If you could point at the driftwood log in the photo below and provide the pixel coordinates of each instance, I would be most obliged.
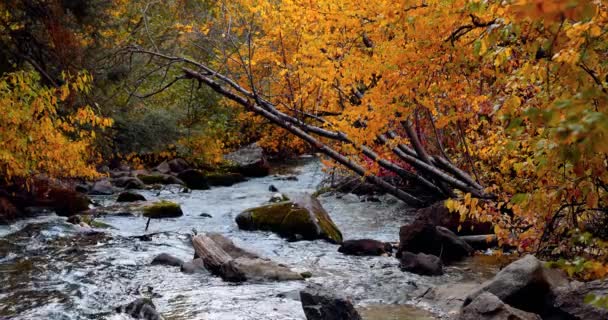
(481, 242)
(240, 267)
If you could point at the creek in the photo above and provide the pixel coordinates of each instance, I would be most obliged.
(50, 269)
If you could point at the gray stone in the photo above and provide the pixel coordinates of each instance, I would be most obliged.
(422, 264)
(487, 306)
(102, 187)
(321, 304)
(166, 259)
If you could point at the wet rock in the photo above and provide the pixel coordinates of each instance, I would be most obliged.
(575, 300)
(422, 264)
(166, 259)
(278, 197)
(487, 306)
(365, 247)
(302, 217)
(205, 215)
(8, 211)
(524, 284)
(250, 161)
(128, 183)
(421, 237)
(306, 274)
(163, 209)
(119, 174)
(272, 188)
(67, 202)
(438, 215)
(83, 187)
(178, 165)
(163, 168)
(102, 187)
(194, 179)
(142, 308)
(224, 179)
(185, 190)
(159, 178)
(128, 196)
(321, 304)
(194, 266)
(87, 221)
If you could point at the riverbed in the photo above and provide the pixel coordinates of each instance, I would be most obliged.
(50, 269)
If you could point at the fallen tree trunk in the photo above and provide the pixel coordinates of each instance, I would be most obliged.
(215, 259)
(433, 174)
(241, 265)
(481, 242)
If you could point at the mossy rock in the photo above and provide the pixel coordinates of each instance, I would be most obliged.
(128, 196)
(302, 217)
(163, 209)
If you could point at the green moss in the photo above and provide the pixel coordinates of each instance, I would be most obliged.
(163, 209)
(288, 219)
(152, 178)
(306, 274)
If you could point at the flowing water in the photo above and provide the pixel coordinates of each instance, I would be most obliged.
(50, 269)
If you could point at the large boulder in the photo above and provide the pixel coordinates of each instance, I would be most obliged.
(194, 179)
(178, 165)
(66, 201)
(321, 304)
(487, 306)
(438, 215)
(422, 237)
(163, 168)
(102, 187)
(142, 308)
(422, 264)
(576, 299)
(128, 182)
(302, 217)
(128, 196)
(162, 209)
(250, 161)
(524, 284)
(365, 247)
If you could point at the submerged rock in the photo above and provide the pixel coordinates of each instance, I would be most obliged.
(250, 161)
(142, 308)
(128, 196)
(166, 259)
(163, 209)
(302, 217)
(422, 264)
(194, 266)
(321, 304)
(365, 247)
(194, 179)
(487, 306)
